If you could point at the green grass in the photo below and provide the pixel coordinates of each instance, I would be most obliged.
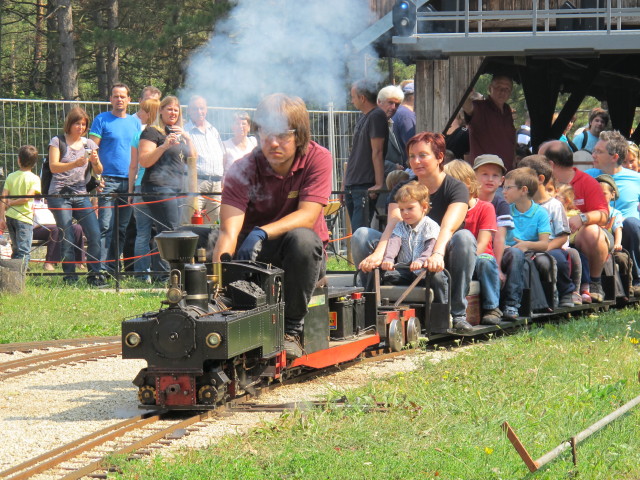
(48, 309)
(339, 264)
(444, 420)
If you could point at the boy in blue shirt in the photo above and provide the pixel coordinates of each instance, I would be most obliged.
(19, 211)
(530, 233)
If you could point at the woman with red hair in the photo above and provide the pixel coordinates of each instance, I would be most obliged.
(449, 205)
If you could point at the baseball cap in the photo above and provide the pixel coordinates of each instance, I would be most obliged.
(487, 159)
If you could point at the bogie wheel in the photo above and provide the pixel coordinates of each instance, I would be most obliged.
(395, 336)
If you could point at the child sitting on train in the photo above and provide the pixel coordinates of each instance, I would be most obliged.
(412, 240)
(481, 221)
(579, 265)
(568, 294)
(614, 230)
(530, 233)
(490, 172)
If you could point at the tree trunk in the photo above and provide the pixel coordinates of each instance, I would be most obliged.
(12, 65)
(52, 70)
(68, 61)
(112, 64)
(175, 77)
(38, 48)
(101, 63)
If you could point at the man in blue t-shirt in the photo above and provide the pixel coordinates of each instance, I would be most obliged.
(113, 132)
(608, 155)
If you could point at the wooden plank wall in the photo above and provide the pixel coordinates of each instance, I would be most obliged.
(440, 85)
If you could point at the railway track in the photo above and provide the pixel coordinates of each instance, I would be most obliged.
(139, 435)
(34, 363)
(28, 347)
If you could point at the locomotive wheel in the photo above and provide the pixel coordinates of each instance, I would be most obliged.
(147, 395)
(413, 331)
(207, 395)
(395, 336)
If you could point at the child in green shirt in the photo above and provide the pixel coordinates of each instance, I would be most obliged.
(16, 214)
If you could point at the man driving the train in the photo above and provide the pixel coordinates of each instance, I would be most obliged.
(272, 206)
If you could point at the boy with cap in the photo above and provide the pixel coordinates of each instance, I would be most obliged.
(490, 172)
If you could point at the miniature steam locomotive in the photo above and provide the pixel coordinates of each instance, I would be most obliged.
(221, 331)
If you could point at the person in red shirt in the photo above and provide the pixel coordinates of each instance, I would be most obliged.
(273, 202)
(490, 122)
(590, 239)
(481, 221)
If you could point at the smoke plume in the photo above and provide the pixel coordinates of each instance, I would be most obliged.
(297, 47)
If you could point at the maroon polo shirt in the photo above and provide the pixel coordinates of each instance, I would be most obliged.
(588, 193)
(252, 186)
(491, 130)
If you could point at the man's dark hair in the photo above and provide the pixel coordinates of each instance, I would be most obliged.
(560, 154)
(540, 164)
(599, 112)
(367, 88)
(121, 85)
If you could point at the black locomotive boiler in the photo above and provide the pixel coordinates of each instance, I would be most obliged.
(221, 329)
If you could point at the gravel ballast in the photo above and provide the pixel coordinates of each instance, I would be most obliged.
(46, 409)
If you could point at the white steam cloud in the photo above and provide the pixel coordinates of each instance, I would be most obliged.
(297, 47)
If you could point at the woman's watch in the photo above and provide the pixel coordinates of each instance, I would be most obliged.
(584, 218)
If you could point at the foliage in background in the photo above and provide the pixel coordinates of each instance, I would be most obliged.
(154, 40)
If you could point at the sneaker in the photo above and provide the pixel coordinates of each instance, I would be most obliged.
(566, 300)
(292, 346)
(586, 296)
(97, 281)
(577, 298)
(492, 317)
(596, 292)
(460, 323)
(510, 313)
(635, 290)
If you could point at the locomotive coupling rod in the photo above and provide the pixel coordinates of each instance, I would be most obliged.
(420, 276)
(534, 465)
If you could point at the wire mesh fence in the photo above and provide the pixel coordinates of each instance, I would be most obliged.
(35, 122)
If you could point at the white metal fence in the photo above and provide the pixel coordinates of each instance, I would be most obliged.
(35, 122)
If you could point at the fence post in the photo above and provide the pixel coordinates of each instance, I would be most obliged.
(116, 232)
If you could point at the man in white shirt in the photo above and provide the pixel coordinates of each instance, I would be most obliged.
(210, 162)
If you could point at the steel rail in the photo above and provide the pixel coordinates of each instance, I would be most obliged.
(24, 366)
(27, 347)
(53, 458)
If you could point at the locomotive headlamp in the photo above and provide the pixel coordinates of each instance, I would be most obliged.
(132, 339)
(214, 340)
(174, 295)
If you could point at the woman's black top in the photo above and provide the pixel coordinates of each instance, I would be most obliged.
(170, 168)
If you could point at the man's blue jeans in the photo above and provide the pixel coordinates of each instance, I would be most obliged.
(21, 234)
(359, 206)
(144, 223)
(106, 218)
(85, 217)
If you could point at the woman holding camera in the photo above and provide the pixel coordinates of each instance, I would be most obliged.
(163, 150)
(69, 156)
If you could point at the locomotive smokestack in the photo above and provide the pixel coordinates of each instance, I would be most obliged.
(177, 248)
